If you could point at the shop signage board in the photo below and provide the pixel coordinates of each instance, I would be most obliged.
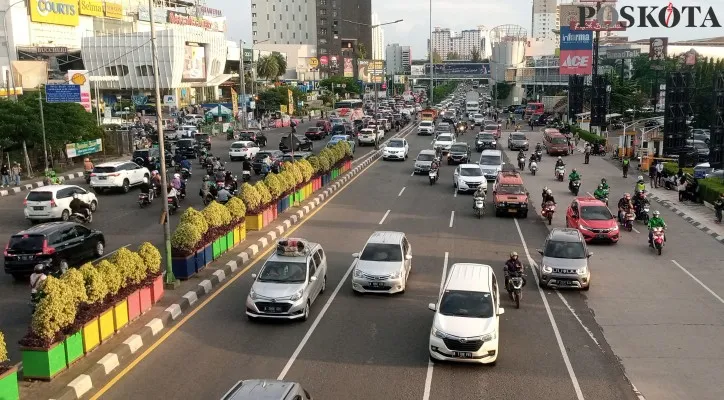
(56, 12)
(83, 148)
(51, 50)
(93, 8)
(114, 10)
(62, 93)
(622, 54)
(80, 77)
(159, 14)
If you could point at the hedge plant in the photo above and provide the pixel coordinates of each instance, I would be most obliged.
(325, 164)
(274, 185)
(131, 265)
(293, 168)
(306, 169)
(263, 191)
(710, 189)
(151, 257)
(196, 218)
(288, 181)
(236, 208)
(95, 286)
(54, 312)
(111, 276)
(186, 236)
(3, 351)
(75, 284)
(250, 196)
(315, 163)
(216, 215)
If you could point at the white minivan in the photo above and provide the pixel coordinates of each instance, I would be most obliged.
(466, 325)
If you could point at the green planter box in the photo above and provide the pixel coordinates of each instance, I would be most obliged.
(43, 364)
(74, 348)
(230, 240)
(9, 389)
(215, 249)
(223, 245)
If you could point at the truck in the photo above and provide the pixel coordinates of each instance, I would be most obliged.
(429, 114)
(472, 103)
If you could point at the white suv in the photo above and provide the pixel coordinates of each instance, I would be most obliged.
(117, 175)
(53, 202)
(384, 264)
(244, 149)
(425, 128)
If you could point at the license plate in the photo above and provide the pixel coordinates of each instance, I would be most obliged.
(25, 257)
(462, 354)
(38, 208)
(601, 236)
(564, 283)
(102, 178)
(272, 309)
(512, 210)
(377, 284)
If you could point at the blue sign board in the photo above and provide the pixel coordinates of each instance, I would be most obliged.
(463, 68)
(576, 40)
(62, 93)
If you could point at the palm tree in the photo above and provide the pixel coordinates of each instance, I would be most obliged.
(268, 67)
(281, 64)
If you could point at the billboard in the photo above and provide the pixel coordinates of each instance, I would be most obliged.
(92, 8)
(80, 77)
(370, 71)
(622, 54)
(62, 93)
(466, 68)
(576, 55)
(348, 69)
(417, 70)
(58, 12)
(658, 47)
(194, 64)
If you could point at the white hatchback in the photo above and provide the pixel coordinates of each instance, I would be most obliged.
(53, 202)
(244, 149)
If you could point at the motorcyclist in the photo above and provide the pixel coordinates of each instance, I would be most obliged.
(559, 163)
(547, 196)
(155, 178)
(79, 206)
(640, 185)
(146, 188)
(172, 194)
(176, 181)
(88, 165)
(36, 279)
(177, 158)
(266, 165)
(208, 187)
(435, 164)
(655, 222)
(574, 176)
(186, 164)
(539, 147)
(532, 159)
(625, 205)
(217, 163)
(246, 165)
(604, 184)
(600, 193)
(521, 154)
(223, 195)
(513, 267)
(480, 192)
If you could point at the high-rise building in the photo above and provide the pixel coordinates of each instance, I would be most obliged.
(445, 42)
(398, 59)
(378, 39)
(544, 20)
(283, 22)
(441, 42)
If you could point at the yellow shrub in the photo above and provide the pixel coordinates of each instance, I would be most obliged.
(216, 215)
(3, 349)
(76, 286)
(274, 185)
(263, 191)
(54, 311)
(111, 276)
(151, 257)
(296, 173)
(250, 197)
(315, 163)
(95, 286)
(237, 208)
(306, 169)
(186, 236)
(130, 265)
(287, 177)
(196, 218)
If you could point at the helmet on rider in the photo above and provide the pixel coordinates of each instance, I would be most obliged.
(154, 173)
(559, 158)
(603, 181)
(549, 192)
(39, 268)
(656, 214)
(627, 196)
(206, 178)
(600, 187)
(574, 170)
(177, 176)
(639, 178)
(514, 254)
(75, 195)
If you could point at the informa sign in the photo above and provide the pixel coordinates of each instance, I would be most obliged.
(622, 54)
(194, 64)
(56, 12)
(348, 69)
(94, 8)
(234, 103)
(658, 48)
(576, 52)
(114, 10)
(62, 93)
(83, 148)
(80, 77)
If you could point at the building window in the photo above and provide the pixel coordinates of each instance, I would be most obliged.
(323, 31)
(280, 17)
(144, 70)
(294, 17)
(334, 4)
(322, 51)
(323, 21)
(294, 35)
(281, 35)
(275, 25)
(253, 15)
(254, 33)
(117, 70)
(334, 13)
(287, 26)
(307, 35)
(268, 35)
(322, 12)
(305, 17)
(267, 17)
(322, 41)
(286, 7)
(274, 8)
(323, 3)
(253, 23)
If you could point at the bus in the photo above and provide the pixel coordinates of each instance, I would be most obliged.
(355, 104)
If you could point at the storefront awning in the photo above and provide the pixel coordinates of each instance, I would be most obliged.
(213, 82)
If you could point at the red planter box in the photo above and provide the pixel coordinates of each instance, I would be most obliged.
(134, 305)
(145, 297)
(157, 289)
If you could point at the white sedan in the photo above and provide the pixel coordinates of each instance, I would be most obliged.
(244, 149)
(396, 149)
(444, 141)
(468, 177)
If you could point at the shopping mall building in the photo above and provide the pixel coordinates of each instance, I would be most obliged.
(111, 40)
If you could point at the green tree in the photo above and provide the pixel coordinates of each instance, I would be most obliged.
(436, 59)
(475, 55)
(350, 85)
(281, 64)
(268, 67)
(502, 90)
(453, 56)
(362, 51)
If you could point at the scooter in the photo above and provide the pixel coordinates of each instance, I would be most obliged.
(246, 176)
(548, 211)
(628, 221)
(658, 239)
(533, 167)
(575, 186)
(185, 173)
(539, 155)
(560, 173)
(145, 199)
(515, 288)
(172, 207)
(433, 175)
(521, 163)
(479, 205)
(81, 217)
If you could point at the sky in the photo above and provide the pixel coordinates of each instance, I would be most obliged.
(466, 14)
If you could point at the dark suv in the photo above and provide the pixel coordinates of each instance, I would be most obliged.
(186, 147)
(459, 154)
(300, 143)
(143, 158)
(276, 159)
(63, 244)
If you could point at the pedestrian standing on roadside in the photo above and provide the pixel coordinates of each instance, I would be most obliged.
(659, 173)
(652, 175)
(681, 187)
(5, 172)
(15, 172)
(626, 162)
(506, 124)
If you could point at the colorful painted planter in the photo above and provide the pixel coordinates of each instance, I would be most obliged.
(73, 349)
(146, 298)
(326, 178)
(225, 243)
(106, 324)
(91, 335)
(268, 215)
(157, 289)
(316, 183)
(184, 267)
(208, 257)
(199, 258)
(43, 364)
(134, 305)
(240, 233)
(254, 222)
(230, 240)
(120, 314)
(9, 389)
(216, 249)
(283, 204)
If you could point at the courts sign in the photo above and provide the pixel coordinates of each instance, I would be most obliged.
(56, 12)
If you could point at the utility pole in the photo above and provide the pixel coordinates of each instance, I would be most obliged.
(242, 82)
(42, 123)
(432, 66)
(170, 279)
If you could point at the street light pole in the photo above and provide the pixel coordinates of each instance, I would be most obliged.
(432, 66)
(170, 279)
(242, 82)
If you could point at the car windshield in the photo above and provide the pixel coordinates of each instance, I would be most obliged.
(40, 196)
(238, 145)
(283, 272)
(700, 146)
(141, 153)
(425, 157)
(463, 303)
(486, 136)
(395, 143)
(425, 123)
(490, 160)
(261, 156)
(313, 129)
(383, 252)
(104, 170)
(559, 140)
(568, 250)
(185, 143)
(510, 189)
(26, 243)
(477, 116)
(596, 213)
(444, 138)
(471, 171)
(517, 137)
(460, 148)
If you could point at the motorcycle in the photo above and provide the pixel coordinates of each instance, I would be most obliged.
(81, 217)
(246, 176)
(185, 173)
(548, 211)
(658, 239)
(539, 155)
(575, 186)
(533, 167)
(145, 199)
(172, 206)
(521, 163)
(433, 175)
(598, 150)
(642, 213)
(207, 197)
(479, 204)
(87, 176)
(628, 221)
(560, 173)
(515, 288)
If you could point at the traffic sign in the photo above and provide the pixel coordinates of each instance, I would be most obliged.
(62, 93)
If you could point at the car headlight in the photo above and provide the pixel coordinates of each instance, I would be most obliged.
(488, 336)
(615, 228)
(396, 274)
(357, 273)
(296, 296)
(493, 142)
(581, 271)
(547, 269)
(439, 334)
(253, 294)
(584, 227)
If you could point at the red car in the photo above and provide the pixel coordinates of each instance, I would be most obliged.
(593, 219)
(325, 126)
(315, 133)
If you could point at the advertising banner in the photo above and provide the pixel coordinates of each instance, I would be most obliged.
(248, 55)
(622, 54)
(62, 93)
(333, 62)
(477, 69)
(290, 96)
(114, 10)
(576, 56)
(658, 48)
(94, 8)
(159, 14)
(363, 72)
(209, 24)
(80, 78)
(312, 63)
(324, 60)
(57, 12)
(194, 64)
(234, 103)
(83, 148)
(348, 69)
(417, 70)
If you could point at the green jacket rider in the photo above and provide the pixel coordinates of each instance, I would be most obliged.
(604, 184)
(600, 193)
(656, 221)
(574, 176)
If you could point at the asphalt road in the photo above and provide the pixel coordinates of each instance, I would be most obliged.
(361, 347)
(122, 222)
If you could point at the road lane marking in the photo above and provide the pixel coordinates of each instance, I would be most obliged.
(218, 291)
(716, 296)
(556, 332)
(452, 218)
(382, 221)
(635, 230)
(303, 343)
(109, 254)
(413, 173)
(585, 328)
(400, 194)
(455, 192)
(430, 364)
